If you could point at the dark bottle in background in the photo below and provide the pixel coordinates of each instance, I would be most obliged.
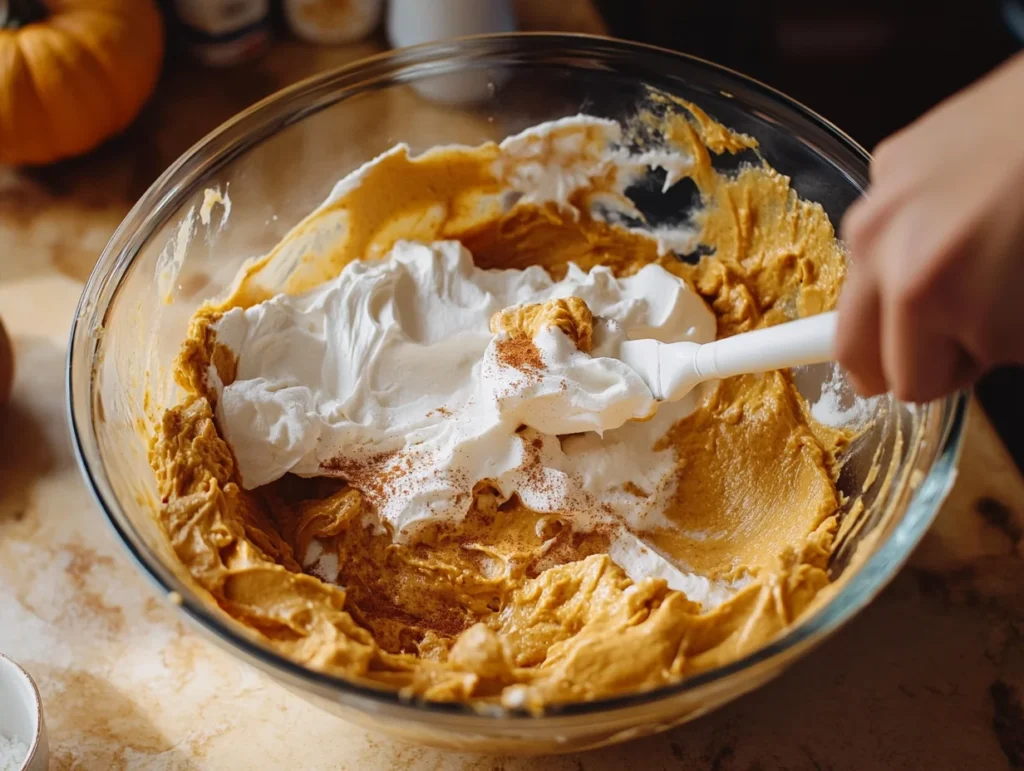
(221, 33)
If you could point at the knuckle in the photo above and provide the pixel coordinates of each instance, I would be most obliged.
(913, 292)
(881, 160)
(916, 272)
(908, 291)
(857, 358)
(908, 385)
(850, 363)
(848, 348)
(908, 391)
(854, 225)
(885, 157)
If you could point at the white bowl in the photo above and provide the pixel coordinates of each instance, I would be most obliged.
(21, 714)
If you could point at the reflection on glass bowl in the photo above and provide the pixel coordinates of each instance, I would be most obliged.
(271, 159)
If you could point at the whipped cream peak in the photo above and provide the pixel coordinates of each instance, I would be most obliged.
(567, 391)
(389, 376)
(553, 161)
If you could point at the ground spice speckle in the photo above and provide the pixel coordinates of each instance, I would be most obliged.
(520, 352)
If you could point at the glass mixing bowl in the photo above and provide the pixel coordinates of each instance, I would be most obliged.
(280, 158)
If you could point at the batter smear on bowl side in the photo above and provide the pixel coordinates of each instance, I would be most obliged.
(406, 452)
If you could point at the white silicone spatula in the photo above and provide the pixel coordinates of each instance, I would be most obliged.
(671, 370)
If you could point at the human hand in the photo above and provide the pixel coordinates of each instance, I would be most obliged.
(935, 292)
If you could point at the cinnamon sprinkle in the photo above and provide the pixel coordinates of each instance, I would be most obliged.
(519, 352)
(374, 475)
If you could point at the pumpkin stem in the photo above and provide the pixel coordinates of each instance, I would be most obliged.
(20, 13)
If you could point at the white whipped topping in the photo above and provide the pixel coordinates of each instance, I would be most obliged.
(575, 391)
(547, 163)
(389, 376)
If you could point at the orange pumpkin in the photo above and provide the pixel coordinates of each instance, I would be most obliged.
(73, 73)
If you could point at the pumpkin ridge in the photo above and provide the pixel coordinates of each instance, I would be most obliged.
(111, 109)
(89, 93)
(27, 116)
(30, 53)
(71, 25)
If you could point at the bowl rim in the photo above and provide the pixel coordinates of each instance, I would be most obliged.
(35, 707)
(123, 246)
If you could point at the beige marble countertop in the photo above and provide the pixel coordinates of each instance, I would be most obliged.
(930, 676)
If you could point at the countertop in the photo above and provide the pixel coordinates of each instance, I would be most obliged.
(931, 675)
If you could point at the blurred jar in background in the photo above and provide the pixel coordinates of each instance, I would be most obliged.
(224, 32)
(411, 22)
(333, 21)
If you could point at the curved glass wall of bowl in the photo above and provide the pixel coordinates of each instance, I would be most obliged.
(270, 162)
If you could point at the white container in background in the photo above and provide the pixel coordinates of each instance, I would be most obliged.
(332, 22)
(411, 22)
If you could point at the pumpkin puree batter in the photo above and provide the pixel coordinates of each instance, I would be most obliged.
(516, 606)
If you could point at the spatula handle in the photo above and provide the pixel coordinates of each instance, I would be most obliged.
(806, 341)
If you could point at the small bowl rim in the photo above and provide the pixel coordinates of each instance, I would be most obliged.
(37, 731)
(116, 258)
